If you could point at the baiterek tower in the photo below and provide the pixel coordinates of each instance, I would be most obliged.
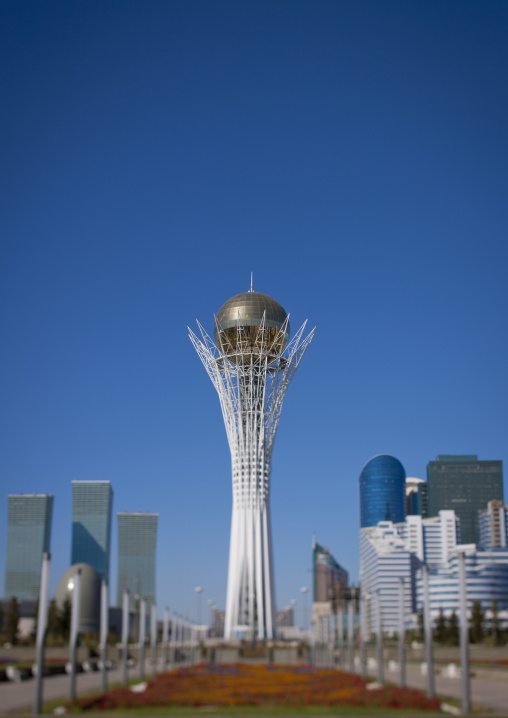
(251, 362)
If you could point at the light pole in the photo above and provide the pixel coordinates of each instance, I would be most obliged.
(304, 591)
(199, 591)
(42, 623)
(464, 635)
(427, 624)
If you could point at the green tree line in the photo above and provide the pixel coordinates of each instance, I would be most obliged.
(446, 629)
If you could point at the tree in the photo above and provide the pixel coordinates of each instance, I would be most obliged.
(64, 619)
(440, 631)
(12, 620)
(453, 629)
(53, 620)
(494, 626)
(35, 616)
(476, 631)
(421, 630)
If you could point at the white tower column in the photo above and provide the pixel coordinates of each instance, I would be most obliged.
(251, 365)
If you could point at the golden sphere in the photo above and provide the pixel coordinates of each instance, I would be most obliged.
(238, 321)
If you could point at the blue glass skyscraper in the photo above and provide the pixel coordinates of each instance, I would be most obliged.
(137, 543)
(382, 491)
(28, 537)
(92, 504)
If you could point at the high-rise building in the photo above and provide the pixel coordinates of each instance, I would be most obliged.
(413, 496)
(137, 544)
(92, 504)
(423, 500)
(493, 525)
(382, 491)
(330, 579)
(390, 552)
(28, 537)
(285, 617)
(385, 559)
(486, 580)
(251, 364)
(465, 485)
(217, 627)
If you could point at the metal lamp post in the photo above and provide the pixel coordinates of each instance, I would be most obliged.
(379, 640)
(402, 635)
(42, 623)
(464, 636)
(125, 635)
(199, 591)
(427, 622)
(104, 633)
(76, 595)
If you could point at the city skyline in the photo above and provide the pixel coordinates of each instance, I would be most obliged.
(353, 157)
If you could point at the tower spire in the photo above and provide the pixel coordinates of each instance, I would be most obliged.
(246, 367)
(251, 289)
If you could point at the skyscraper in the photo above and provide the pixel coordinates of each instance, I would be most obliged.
(493, 525)
(251, 364)
(465, 485)
(137, 543)
(28, 537)
(413, 496)
(330, 579)
(92, 504)
(382, 491)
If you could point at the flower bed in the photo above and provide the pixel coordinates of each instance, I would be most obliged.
(259, 685)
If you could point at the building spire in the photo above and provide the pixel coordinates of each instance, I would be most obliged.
(251, 289)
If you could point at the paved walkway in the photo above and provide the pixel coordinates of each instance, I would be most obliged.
(20, 696)
(489, 694)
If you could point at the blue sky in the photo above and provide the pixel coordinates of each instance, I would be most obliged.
(352, 155)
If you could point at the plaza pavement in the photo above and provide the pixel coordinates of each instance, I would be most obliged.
(491, 695)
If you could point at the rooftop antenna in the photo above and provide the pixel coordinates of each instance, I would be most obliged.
(251, 290)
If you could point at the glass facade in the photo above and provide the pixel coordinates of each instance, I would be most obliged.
(330, 579)
(28, 537)
(465, 485)
(137, 543)
(92, 504)
(382, 491)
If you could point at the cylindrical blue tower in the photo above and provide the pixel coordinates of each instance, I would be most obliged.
(382, 491)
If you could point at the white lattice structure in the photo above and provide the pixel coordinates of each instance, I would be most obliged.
(251, 364)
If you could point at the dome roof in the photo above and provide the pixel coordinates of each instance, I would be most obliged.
(250, 306)
(90, 595)
(246, 311)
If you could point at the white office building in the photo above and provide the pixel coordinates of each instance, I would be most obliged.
(385, 558)
(493, 525)
(390, 552)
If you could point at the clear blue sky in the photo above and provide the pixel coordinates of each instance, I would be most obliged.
(353, 155)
